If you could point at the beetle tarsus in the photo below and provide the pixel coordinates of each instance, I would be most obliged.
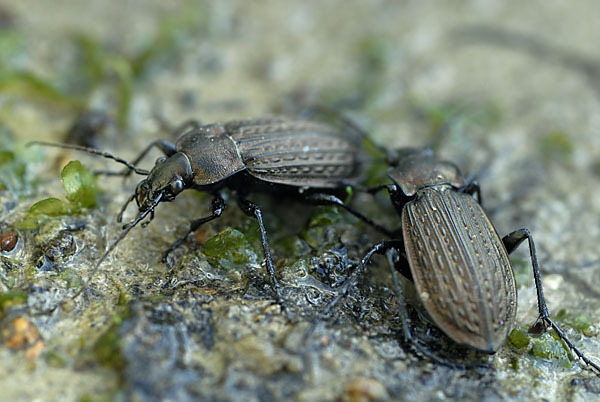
(511, 242)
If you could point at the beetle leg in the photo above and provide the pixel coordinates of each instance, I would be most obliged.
(185, 127)
(472, 188)
(166, 147)
(378, 248)
(328, 199)
(253, 210)
(178, 131)
(375, 189)
(511, 242)
(218, 206)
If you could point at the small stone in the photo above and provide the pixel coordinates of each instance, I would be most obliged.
(22, 334)
(365, 389)
(8, 241)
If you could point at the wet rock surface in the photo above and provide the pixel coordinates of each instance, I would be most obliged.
(515, 84)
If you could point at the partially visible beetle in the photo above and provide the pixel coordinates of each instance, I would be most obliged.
(311, 160)
(456, 259)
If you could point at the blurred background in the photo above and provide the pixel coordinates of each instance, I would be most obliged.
(516, 84)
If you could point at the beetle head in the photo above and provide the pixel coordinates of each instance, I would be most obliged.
(168, 178)
(416, 168)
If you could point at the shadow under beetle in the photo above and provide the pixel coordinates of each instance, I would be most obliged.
(313, 161)
(453, 254)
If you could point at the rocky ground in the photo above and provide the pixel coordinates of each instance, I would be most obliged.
(517, 85)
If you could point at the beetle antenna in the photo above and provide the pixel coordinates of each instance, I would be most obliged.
(92, 151)
(123, 234)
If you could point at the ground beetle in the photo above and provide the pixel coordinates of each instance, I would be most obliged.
(313, 161)
(453, 254)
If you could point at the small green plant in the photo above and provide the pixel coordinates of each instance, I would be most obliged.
(80, 185)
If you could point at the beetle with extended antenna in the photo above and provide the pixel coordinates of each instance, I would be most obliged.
(454, 256)
(313, 161)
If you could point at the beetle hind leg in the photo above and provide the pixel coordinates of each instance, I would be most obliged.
(218, 206)
(511, 242)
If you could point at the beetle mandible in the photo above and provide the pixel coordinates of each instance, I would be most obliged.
(313, 161)
(456, 259)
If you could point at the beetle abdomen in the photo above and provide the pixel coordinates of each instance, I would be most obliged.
(296, 152)
(460, 267)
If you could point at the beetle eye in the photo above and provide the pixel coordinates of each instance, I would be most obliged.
(177, 187)
(160, 160)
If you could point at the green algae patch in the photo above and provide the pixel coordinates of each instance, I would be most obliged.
(229, 249)
(318, 232)
(324, 216)
(80, 185)
(548, 347)
(518, 337)
(578, 322)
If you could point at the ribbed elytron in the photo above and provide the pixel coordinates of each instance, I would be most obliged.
(311, 160)
(457, 260)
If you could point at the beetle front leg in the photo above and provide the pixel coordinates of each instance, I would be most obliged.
(253, 210)
(218, 206)
(511, 242)
(328, 199)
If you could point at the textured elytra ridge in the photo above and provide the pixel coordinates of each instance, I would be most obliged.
(296, 152)
(457, 258)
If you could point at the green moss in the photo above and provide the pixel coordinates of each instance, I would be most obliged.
(80, 185)
(72, 278)
(6, 157)
(54, 360)
(251, 231)
(515, 363)
(557, 146)
(107, 348)
(518, 337)
(12, 298)
(229, 249)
